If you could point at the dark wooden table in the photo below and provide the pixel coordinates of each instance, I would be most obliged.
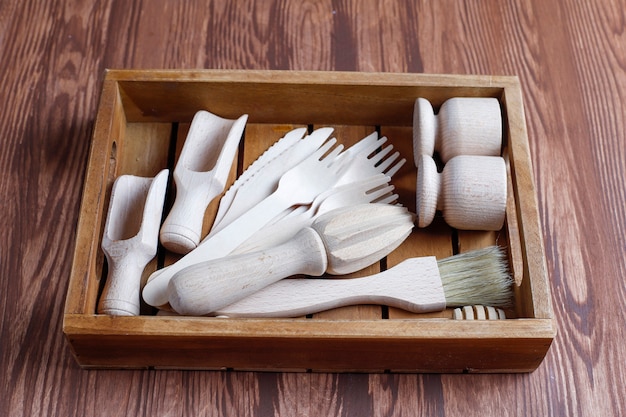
(571, 60)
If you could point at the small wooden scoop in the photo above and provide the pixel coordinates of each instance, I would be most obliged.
(200, 175)
(341, 241)
(130, 239)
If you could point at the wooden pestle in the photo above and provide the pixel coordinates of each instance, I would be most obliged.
(471, 192)
(463, 126)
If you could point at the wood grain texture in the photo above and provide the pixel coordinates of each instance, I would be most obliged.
(571, 61)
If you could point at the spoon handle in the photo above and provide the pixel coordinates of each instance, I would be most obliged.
(208, 286)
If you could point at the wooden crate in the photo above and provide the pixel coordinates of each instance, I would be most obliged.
(140, 127)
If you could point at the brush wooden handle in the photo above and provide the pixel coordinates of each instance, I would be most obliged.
(209, 286)
(463, 126)
(413, 285)
(471, 192)
(120, 296)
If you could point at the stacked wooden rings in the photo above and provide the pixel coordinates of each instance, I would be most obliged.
(471, 190)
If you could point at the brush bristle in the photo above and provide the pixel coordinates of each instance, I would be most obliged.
(477, 277)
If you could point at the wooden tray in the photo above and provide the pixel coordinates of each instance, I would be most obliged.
(141, 124)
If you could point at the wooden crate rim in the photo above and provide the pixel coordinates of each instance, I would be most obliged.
(313, 77)
(208, 327)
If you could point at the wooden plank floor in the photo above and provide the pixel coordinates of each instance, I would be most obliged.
(571, 60)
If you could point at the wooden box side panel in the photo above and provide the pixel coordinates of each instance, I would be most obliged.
(534, 295)
(291, 97)
(106, 144)
(434, 345)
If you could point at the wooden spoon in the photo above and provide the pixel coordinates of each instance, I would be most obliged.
(341, 241)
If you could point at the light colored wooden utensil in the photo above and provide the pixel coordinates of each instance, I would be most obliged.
(287, 141)
(471, 192)
(418, 285)
(375, 189)
(130, 239)
(200, 175)
(463, 126)
(478, 312)
(367, 158)
(265, 181)
(300, 185)
(275, 156)
(339, 242)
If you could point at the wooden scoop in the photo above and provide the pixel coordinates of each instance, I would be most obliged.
(200, 175)
(130, 239)
(341, 241)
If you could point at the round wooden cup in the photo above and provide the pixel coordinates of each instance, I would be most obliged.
(463, 126)
(471, 192)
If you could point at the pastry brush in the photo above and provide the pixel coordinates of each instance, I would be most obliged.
(417, 285)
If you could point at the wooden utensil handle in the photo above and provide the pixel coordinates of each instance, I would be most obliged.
(208, 286)
(120, 296)
(413, 285)
(182, 228)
